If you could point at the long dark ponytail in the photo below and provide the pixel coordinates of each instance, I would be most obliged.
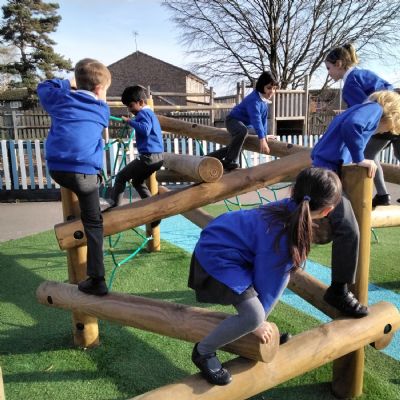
(314, 189)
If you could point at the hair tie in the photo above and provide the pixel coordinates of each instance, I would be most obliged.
(307, 198)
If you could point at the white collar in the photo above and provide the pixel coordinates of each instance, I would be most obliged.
(347, 73)
(262, 97)
(88, 92)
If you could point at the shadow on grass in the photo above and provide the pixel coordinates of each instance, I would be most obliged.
(31, 330)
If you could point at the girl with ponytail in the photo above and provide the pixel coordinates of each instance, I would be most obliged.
(244, 258)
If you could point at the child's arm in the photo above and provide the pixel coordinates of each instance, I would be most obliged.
(264, 148)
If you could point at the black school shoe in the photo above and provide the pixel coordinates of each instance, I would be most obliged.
(211, 368)
(106, 204)
(381, 200)
(229, 165)
(347, 304)
(96, 286)
(284, 337)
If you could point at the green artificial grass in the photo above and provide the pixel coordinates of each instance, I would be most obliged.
(39, 360)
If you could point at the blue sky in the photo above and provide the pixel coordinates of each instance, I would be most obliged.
(104, 29)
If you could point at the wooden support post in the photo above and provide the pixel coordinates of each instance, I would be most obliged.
(85, 328)
(200, 169)
(154, 244)
(141, 212)
(174, 320)
(2, 395)
(302, 353)
(212, 112)
(348, 371)
(306, 104)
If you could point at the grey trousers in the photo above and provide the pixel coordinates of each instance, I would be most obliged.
(239, 132)
(86, 188)
(345, 242)
(137, 171)
(372, 152)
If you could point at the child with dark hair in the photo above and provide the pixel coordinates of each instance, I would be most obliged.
(248, 117)
(358, 84)
(74, 151)
(244, 258)
(343, 143)
(148, 141)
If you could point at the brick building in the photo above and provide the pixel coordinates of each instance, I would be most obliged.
(141, 69)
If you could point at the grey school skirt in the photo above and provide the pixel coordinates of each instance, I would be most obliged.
(210, 290)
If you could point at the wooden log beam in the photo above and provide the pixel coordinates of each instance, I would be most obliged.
(70, 234)
(391, 172)
(200, 169)
(278, 149)
(219, 135)
(385, 216)
(166, 175)
(174, 320)
(303, 353)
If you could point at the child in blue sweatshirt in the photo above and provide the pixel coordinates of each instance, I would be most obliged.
(248, 117)
(149, 143)
(74, 151)
(358, 84)
(344, 143)
(244, 258)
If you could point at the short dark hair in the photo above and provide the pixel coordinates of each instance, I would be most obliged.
(266, 78)
(133, 93)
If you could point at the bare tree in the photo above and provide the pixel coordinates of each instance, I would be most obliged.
(239, 38)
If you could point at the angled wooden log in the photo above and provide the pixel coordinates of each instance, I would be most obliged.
(279, 149)
(385, 216)
(70, 234)
(303, 353)
(221, 136)
(200, 169)
(391, 172)
(174, 320)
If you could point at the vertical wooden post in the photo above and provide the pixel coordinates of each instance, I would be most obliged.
(348, 371)
(15, 124)
(212, 113)
(242, 91)
(2, 395)
(155, 243)
(306, 104)
(85, 328)
(237, 99)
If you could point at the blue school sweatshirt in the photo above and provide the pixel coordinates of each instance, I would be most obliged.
(239, 249)
(360, 83)
(147, 131)
(74, 142)
(346, 137)
(253, 112)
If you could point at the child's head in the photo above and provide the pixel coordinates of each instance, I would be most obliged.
(266, 84)
(93, 76)
(390, 102)
(316, 191)
(339, 60)
(134, 97)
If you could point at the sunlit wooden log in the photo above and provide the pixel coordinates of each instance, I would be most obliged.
(163, 317)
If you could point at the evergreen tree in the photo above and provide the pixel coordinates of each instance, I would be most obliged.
(26, 25)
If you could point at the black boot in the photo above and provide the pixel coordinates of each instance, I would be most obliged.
(96, 286)
(229, 165)
(284, 337)
(346, 303)
(211, 367)
(381, 200)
